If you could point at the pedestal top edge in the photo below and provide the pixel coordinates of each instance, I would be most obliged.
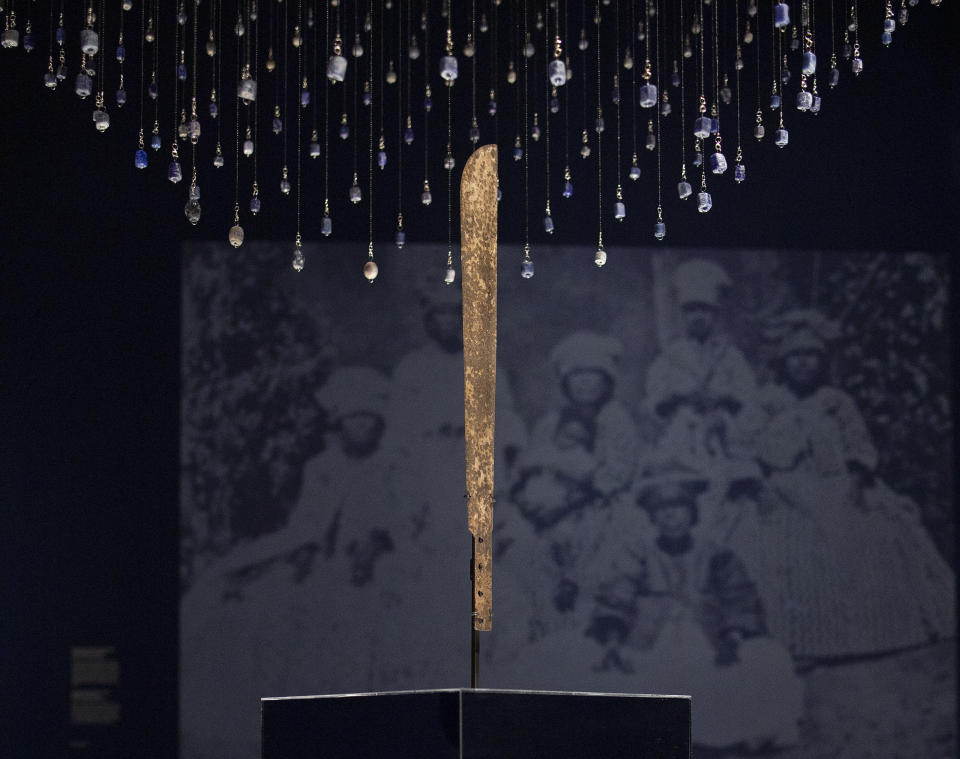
(477, 690)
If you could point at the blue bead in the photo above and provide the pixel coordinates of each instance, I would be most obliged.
(214, 110)
(675, 79)
(121, 97)
(140, 159)
(834, 78)
(698, 159)
(400, 238)
(155, 142)
(152, 90)
(121, 53)
(718, 163)
(181, 72)
(714, 126)
(492, 108)
(367, 99)
(634, 173)
(304, 97)
(659, 230)
(554, 105)
(781, 15)
(526, 269)
(517, 154)
(548, 224)
(277, 125)
(886, 38)
(59, 35)
(739, 172)
(427, 103)
(568, 189)
(774, 102)
(326, 226)
(382, 158)
(344, 131)
(254, 205)
(174, 174)
(408, 135)
(29, 42)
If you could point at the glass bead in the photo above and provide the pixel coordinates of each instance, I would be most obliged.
(214, 110)
(61, 72)
(193, 130)
(804, 100)
(675, 79)
(583, 43)
(211, 48)
(619, 211)
(834, 79)
(408, 135)
(598, 125)
(248, 148)
(83, 85)
(634, 173)
(140, 159)
(174, 173)
(704, 201)
(414, 51)
(155, 142)
(782, 138)
(235, 236)
(600, 257)
(194, 193)
(886, 38)
(89, 41)
(585, 151)
(314, 149)
(889, 25)
(304, 98)
(285, 186)
(568, 189)
(61, 35)
(381, 158)
(557, 73)
(153, 90)
(426, 197)
(492, 108)
(355, 195)
(904, 16)
(739, 172)
(781, 15)
(535, 133)
(548, 224)
(326, 226)
(448, 68)
(665, 108)
(218, 161)
(192, 211)
(121, 53)
(29, 42)
(517, 153)
(615, 96)
(239, 28)
(499, 194)
(255, 205)
(366, 99)
(659, 230)
(785, 75)
(400, 238)
(297, 261)
(815, 105)
(651, 141)
(847, 50)
(701, 127)
(126, 4)
(684, 189)
(856, 65)
(718, 162)
(336, 68)
(809, 63)
(182, 72)
(526, 269)
(726, 95)
(648, 95)
(529, 50)
(795, 43)
(370, 270)
(357, 50)
(554, 105)
(698, 159)
(714, 126)
(474, 134)
(449, 162)
(774, 102)
(277, 125)
(50, 80)
(344, 131)
(181, 17)
(247, 90)
(183, 130)
(121, 97)
(428, 104)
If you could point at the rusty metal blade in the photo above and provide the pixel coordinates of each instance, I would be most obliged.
(478, 243)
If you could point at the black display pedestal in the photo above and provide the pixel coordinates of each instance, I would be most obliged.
(476, 724)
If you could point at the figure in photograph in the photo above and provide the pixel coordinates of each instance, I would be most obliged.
(679, 613)
(700, 387)
(580, 463)
(857, 572)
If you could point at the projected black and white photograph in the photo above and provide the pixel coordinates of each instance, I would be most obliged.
(724, 473)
